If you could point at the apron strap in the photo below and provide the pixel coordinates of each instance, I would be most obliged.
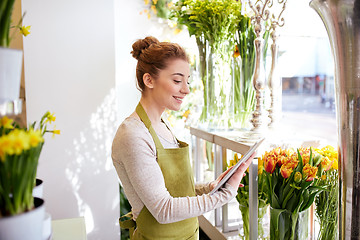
(145, 119)
(126, 222)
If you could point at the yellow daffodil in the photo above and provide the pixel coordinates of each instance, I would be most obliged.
(55, 131)
(154, 2)
(50, 118)
(25, 30)
(35, 137)
(6, 122)
(146, 2)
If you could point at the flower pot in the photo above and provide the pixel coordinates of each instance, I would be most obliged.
(10, 74)
(38, 189)
(286, 225)
(27, 225)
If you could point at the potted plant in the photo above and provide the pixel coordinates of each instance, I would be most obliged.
(10, 59)
(20, 149)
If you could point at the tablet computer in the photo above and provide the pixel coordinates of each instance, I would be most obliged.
(237, 165)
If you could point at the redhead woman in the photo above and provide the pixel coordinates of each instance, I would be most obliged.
(152, 164)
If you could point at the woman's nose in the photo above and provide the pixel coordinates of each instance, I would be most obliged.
(185, 89)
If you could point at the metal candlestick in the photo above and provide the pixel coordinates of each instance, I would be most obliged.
(259, 119)
(274, 81)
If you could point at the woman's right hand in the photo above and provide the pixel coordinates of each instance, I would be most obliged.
(235, 179)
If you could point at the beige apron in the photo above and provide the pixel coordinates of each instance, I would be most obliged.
(179, 181)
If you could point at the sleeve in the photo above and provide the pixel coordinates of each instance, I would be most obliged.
(202, 188)
(139, 159)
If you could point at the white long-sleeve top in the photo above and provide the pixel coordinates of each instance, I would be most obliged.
(134, 158)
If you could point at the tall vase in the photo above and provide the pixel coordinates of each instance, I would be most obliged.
(215, 73)
(342, 22)
(245, 233)
(244, 93)
(286, 225)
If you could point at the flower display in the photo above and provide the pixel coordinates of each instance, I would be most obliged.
(20, 149)
(159, 8)
(327, 202)
(292, 186)
(213, 24)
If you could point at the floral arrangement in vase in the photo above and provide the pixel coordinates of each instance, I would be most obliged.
(213, 24)
(243, 199)
(243, 70)
(20, 149)
(293, 181)
(327, 202)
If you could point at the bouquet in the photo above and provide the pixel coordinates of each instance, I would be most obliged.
(243, 199)
(327, 202)
(20, 149)
(293, 182)
(244, 67)
(213, 23)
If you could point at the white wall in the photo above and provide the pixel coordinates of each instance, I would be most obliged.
(78, 65)
(70, 70)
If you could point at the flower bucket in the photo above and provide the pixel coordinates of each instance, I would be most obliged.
(286, 225)
(10, 74)
(27, 225)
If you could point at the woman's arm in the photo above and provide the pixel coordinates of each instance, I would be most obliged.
(134, 148)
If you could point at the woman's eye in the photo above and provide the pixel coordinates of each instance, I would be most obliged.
(177, 81)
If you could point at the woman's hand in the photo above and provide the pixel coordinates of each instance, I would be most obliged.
(235, 179)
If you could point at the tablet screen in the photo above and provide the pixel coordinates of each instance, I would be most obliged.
(237, 165)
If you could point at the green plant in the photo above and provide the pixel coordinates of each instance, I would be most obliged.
(6, 9)
(20, 149)
(243, 198)
(327, 202)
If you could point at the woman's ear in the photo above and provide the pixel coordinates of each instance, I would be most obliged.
(148, 80)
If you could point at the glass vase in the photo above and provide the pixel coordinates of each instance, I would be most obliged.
(215, 72)
(286, 225)
(245, 234)
(244, 92)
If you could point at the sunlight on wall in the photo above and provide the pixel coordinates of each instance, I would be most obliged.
(92, 164)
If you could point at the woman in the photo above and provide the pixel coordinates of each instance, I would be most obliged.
(152, 164)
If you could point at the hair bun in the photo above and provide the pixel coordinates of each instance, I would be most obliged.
(142, 44)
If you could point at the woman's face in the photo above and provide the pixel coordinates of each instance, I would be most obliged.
(172, 84)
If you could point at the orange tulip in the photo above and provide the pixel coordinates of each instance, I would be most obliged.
(269, 163)
(309, 172)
